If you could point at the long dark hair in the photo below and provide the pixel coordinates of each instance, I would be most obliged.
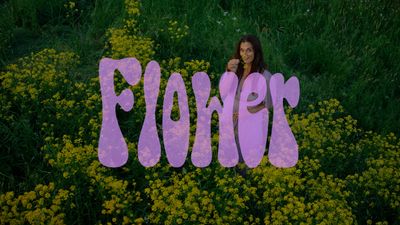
(258, 64)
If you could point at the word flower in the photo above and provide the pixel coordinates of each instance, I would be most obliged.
(252, 127)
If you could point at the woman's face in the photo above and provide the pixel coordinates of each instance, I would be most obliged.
(247, 52)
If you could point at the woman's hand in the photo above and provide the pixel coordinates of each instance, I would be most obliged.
(233, 65)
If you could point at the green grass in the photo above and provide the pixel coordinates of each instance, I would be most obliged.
(338, 49)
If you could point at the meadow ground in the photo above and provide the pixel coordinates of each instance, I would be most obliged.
(345, 54)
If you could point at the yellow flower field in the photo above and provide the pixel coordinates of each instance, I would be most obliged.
(345, 175)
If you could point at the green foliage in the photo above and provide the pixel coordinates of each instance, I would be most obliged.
(6, 30)
(51, 112)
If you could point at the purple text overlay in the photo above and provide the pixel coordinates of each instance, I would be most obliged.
(252, 127)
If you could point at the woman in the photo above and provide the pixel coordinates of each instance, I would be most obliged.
(247, 59)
